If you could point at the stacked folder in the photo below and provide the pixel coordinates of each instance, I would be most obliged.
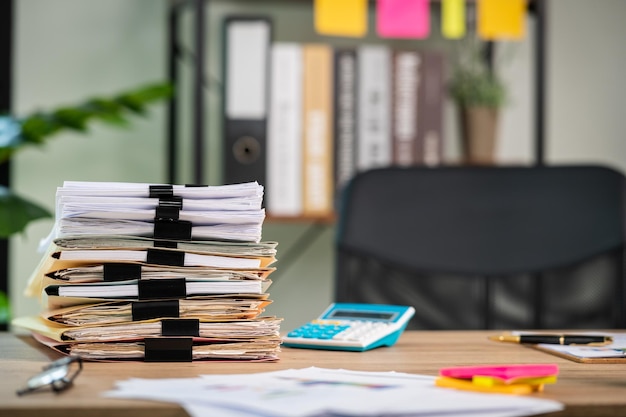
(157, 273)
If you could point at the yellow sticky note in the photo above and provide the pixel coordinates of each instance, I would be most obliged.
(453, 18)
(490, 381)
(501, 19)
(341, 17)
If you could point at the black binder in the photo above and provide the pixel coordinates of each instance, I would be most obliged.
(246, 77)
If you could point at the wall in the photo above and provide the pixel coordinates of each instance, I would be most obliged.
(70, 49)
(66, 52)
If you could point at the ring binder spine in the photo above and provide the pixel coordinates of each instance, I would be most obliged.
(165, 257)
(150, 289)
(146, 310)
(120, 272)
(168, 349)
(180, 327)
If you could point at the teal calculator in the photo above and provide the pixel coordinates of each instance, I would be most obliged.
(352, 326)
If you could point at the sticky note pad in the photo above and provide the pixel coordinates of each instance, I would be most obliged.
(501, 19)
(504, 372)
(403, 18)
(341, 17)
(462, 384)
(453, 18)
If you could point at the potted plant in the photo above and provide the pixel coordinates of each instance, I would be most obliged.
(479, 95)
(17, 212)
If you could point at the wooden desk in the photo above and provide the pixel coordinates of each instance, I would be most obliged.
(585, 389)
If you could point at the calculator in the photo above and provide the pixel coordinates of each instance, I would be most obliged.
(352, 326)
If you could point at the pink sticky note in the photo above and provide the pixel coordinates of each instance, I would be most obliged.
(403, 18)
(504, 372)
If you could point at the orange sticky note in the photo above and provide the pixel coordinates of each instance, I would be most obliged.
(403, 18)
(501, 19)
(341, 17)
(453, 18)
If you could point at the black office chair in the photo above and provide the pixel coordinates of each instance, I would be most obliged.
(487, 247)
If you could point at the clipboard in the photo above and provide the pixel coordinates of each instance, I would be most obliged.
(612, 353)
(580, 359)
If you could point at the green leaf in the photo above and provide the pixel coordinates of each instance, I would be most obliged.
(72, 118)
(16, 212)
(5, 308)
(36, 128)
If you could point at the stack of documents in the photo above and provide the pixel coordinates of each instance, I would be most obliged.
(156, 272)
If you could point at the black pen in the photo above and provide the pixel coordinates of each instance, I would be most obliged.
(555, 339)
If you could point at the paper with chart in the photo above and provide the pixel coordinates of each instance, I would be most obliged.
(324, 392)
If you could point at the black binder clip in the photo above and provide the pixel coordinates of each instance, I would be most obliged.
(169, 244)
(165, 257)
(169, 208)
(180, 327)
(161, 191)
(152, 289)
(167, 229)
(147, 310)
(168, 349)
(121, 272)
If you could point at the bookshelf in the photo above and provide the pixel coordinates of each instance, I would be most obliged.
(199, 9)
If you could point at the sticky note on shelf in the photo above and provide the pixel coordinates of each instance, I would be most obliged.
(501, 19)
(453, 24)
(403, 18)
(341, 17)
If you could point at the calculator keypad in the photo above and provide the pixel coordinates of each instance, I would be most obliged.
(355, 331)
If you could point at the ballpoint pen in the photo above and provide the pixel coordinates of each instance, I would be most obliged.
(555, 339)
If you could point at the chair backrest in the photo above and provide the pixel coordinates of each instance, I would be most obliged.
(486, 247)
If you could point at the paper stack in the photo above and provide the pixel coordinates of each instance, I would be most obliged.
(156, 273)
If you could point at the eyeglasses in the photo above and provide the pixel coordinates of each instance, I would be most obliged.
(58, 375)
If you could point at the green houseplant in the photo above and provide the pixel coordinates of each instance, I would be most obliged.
(479, 94)
(17, 133)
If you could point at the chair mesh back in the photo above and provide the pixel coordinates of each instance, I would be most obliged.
(474, 248)
(581, 296)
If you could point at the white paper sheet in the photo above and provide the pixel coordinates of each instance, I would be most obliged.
(324, 392)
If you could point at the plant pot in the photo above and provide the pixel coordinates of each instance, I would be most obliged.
(479, 127)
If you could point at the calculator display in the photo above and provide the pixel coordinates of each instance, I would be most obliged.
(371, 315)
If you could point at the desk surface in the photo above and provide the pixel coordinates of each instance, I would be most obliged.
(585, 389)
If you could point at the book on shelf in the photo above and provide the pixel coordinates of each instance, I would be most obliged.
(284, 132)
(430, 113)
(406, 86)
(374, 148)
(246, 59)
(317, 143)
(345, 116)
